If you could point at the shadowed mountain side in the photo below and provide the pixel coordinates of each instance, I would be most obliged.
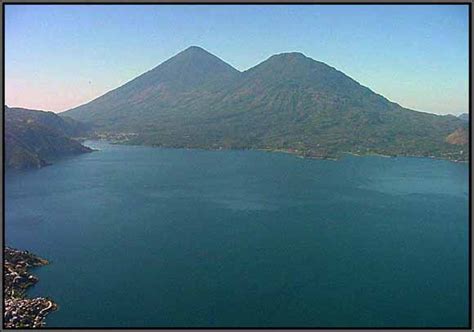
(34, 138)
(464, 116)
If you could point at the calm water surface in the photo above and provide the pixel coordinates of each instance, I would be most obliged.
(150, 237)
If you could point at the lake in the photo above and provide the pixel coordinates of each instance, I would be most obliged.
(153, 237)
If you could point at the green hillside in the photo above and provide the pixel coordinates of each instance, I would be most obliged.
(288, 102)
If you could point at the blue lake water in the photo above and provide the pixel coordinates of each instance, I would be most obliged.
(152, 237)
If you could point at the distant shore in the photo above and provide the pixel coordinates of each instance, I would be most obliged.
(124, 139)
(20, 311)
(404, 156)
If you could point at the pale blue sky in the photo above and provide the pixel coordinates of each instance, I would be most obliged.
(58, 57)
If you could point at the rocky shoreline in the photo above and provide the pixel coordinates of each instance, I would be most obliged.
(20, 311)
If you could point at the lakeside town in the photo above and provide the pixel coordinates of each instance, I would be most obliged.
(20, 311)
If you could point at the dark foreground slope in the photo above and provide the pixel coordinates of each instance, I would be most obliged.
(34, 138)
(288, 102)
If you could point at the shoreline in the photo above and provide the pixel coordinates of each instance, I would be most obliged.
(286, 151)
(19, 310)
(406, 156)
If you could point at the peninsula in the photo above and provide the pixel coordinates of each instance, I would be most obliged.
(34, 138)
(20, 311)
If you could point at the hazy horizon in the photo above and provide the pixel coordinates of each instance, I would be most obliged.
(416, 56)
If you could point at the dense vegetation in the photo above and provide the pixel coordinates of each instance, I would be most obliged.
(289, 102)
(34, 138)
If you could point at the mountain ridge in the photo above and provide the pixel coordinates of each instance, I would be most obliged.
(288, 101)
